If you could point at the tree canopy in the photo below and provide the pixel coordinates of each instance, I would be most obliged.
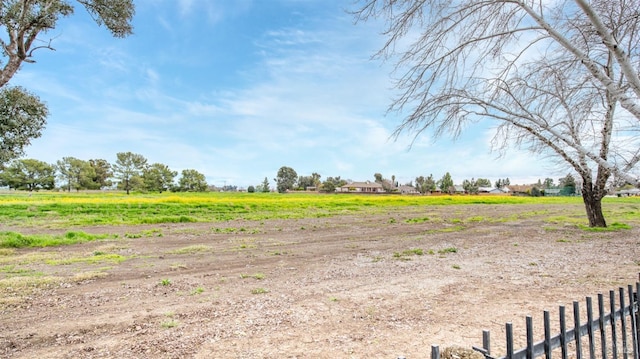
(128, 169)
(76, 173)
(285, 179)
(23, 115)
(28, 174)
(158, 177)
(192, 181)
(22, 118)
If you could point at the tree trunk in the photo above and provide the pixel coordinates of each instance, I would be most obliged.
(593, 204)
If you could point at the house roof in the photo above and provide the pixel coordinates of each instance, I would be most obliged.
(404, 188)
(367, 184)
(488, 189)
(629, 191)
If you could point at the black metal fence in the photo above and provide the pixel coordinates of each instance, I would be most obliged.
(614, 333)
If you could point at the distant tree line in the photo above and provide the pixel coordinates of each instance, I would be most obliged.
(287, 179)
(130, 172)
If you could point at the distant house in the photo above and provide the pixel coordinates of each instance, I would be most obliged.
(407, 190)
(361, 187)
(628, 192)
(490, 190)
(458, 189)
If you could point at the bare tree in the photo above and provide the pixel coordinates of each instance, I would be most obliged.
(560, 77)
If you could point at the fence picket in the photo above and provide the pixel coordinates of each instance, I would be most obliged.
(592, 353)
(563, 332)
(561, 340)
(623, 326)
(634, 326)
(486, 341)
(547, 335)
(614, 339)
(601, 322)
(576, 329)
(529, 324)
(509, 332)
(435, 352)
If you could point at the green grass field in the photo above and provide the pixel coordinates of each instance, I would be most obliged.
(65, 210)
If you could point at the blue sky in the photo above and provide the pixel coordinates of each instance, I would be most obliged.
(237, 89)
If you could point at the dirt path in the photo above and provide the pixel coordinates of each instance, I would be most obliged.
(358, 286)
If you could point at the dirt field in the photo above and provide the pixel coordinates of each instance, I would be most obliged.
(338, 287)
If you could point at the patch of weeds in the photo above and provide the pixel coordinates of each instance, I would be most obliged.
(191, 231)
(165, 282)
(259, 291)
(92, 259)
(85, 276)
(613, 227)
(177, 266)
(152, 233)
(256, 276)
(227, 230)
(198, 290)
(416, 251)
(456, 220)
(145, 233)
(196, 248)
(563, 240)
(476, 219)
(404, 255)
(12, 270)
(455, 266)
(20, 284)
(376, 259)
(446, 230)
(168, 324)
(333, 299)
(577, 220)
(515, 244)
(17, 240)
(448, 250)
(7, 252)
(417, 220)
(247, 246)
(391, 221)
(533, 264)
(29, 258)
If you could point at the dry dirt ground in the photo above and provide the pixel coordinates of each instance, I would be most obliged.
(350, 286)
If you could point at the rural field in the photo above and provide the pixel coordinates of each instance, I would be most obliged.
(101, 275)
